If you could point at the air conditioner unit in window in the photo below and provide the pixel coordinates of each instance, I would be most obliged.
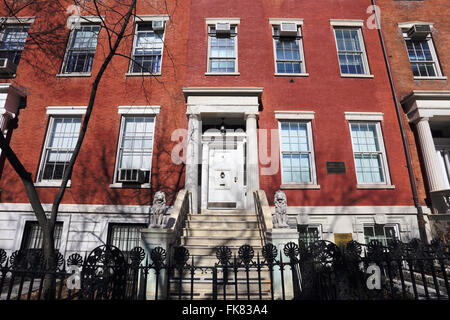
(419, 31)
(158, 25)
(222, 28)
(7, 67)
(288, 29)
(132, 175)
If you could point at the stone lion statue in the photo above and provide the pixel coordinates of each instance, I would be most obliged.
(280, 218)
(158, 211)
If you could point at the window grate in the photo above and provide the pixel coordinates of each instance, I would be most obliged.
(33, 236)
(125, 236)
(309, 234)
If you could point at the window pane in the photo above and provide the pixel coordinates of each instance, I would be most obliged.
(421, 58)
(137, 143)
(295, 152)
(367, 153)
(81, 51)
(12, 42)
(350, 53)
(60, 146)
(147, 52)
(288, 55)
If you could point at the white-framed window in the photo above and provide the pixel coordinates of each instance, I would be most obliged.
(135, 149)
(81, 49)
(148, 46)
(309, 233)
(422, 57)
(369, 153)
(381, 232)
(61, 139)
(297, 152)
(351, 50)
(288, 49)
(12, 41)
(222, 50)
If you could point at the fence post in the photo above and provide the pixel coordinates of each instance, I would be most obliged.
(150, 239)
(279, 238)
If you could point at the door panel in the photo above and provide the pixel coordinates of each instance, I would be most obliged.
(225, 181)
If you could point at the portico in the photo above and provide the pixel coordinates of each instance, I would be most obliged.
(222, 148)
(430, 112)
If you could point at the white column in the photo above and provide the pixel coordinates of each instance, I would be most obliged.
(193, 159)
(252, 158)
(205, 171)
(434, 173)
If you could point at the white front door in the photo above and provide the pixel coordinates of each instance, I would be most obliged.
(226, 177)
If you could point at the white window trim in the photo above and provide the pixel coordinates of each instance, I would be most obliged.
(137, 21)
(276, 22)
(139, 110)
(364, 116)
(93, 19)
(346, 23)
(405, 27)
(124, 111)
(66, 110)
(86, 22)
(294, 115)
(151, 17)
(210, 21)
(55, 112)
(377, 118)
(17, 20)
(231, 21)
(355, 24)
(306, 117)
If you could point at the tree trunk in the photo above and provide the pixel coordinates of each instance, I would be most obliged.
(49, 286)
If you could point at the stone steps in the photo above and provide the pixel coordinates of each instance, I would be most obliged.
(223, 217)
(220, 240)
(210, 250)
(215, 232)
(224, 225)
(202, 234)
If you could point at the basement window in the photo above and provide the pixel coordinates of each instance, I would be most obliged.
(381, 232)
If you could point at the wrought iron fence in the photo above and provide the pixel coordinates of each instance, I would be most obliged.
(319, 271)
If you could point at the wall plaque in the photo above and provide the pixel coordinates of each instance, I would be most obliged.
(336, 167)
(341, 239)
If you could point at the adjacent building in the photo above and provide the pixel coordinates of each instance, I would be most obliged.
(417, 38)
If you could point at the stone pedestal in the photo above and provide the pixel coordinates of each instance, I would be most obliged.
(150, 239)
(279, 237)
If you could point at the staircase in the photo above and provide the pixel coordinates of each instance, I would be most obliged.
(202, 234)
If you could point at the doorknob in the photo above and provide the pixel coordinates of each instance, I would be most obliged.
(235, 179)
